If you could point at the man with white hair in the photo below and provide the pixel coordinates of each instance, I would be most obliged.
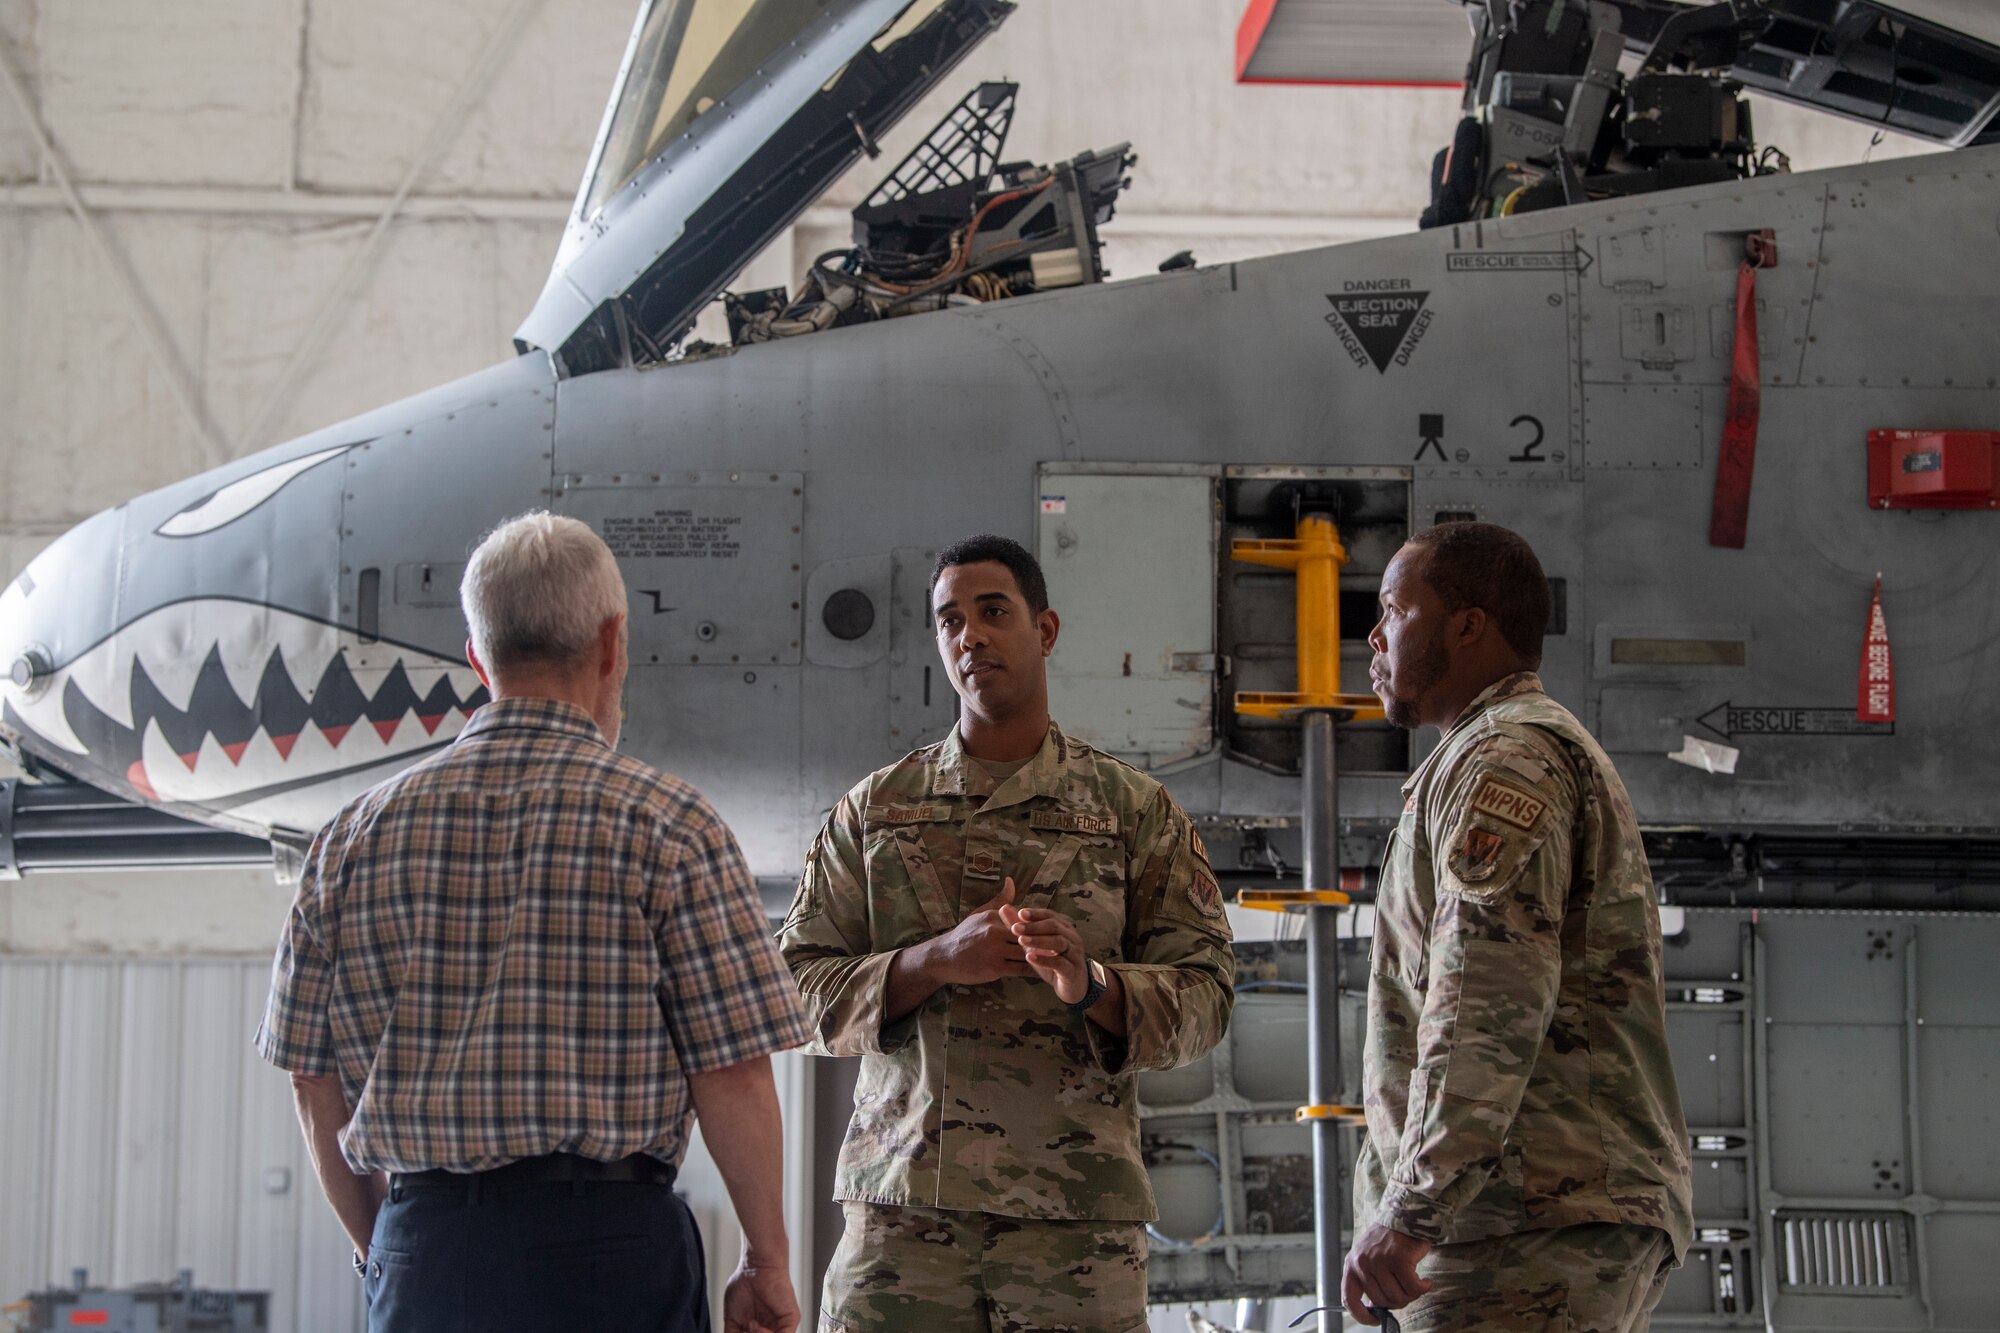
(513, 973)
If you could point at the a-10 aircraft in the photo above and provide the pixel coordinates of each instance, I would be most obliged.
(1722, 400)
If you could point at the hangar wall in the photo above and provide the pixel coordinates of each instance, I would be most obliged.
(238, 159)
(140, 1135)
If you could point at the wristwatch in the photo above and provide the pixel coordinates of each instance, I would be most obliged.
(1093, 992)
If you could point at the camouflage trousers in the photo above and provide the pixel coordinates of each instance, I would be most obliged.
(925, 1270)
(1594, 1278)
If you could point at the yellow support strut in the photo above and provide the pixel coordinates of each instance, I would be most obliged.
(1315, 555)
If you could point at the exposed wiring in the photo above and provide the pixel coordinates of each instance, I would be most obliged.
(987, 287)
(972, 228)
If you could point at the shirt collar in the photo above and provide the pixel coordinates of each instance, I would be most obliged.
(527, 713)
(957, 774)
(1507, 687)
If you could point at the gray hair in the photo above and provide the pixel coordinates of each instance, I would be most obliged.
(537, 590)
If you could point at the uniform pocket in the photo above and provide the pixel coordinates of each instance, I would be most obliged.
(1497, 1022)
(1402, 918)
(1089, 890)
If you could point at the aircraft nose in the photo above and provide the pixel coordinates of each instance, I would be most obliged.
(54, 609)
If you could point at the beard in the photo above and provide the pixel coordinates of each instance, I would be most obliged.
(1426, 666)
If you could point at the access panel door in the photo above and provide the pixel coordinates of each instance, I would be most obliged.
(1130, 559)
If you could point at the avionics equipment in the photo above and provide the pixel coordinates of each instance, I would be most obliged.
(952, 225)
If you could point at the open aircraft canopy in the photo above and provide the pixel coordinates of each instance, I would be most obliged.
(1927, 68)
(729, 117)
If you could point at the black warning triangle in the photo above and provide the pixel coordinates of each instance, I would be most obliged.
(1379, 320)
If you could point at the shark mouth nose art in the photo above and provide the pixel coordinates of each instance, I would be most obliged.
(235, 705)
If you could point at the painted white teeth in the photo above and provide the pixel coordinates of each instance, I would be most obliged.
(216, 777)
(173, 643)
(244, 642)
(308, 649)
(424, 679)
(104, 674)
(170, 648)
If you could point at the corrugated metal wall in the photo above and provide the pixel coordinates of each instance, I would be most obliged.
(140, 1134)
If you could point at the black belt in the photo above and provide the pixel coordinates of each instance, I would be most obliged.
(555, 1169)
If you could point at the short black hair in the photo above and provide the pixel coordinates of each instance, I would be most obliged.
(1494, 569)
(1027, 570)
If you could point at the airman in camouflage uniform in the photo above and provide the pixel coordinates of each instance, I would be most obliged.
(991, 1174)
(1523, 1117)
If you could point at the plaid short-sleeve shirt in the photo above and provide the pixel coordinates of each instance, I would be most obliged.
(521, 946)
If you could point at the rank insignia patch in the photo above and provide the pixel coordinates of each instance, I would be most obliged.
(1508, 803)
(1478, 853)
(1205, 896)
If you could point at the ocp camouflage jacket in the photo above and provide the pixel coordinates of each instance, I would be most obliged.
(1516, 1073)
(997, 1098)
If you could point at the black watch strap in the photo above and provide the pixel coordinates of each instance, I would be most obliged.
(1092, 993)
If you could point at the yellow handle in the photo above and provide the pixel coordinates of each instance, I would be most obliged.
(1339, 1115)
(1286, 900)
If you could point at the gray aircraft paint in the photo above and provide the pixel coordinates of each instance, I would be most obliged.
(901, 435)
(1565, 373)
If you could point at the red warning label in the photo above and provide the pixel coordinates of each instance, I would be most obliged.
(1878, 673)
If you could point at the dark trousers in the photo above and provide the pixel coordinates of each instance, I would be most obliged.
(494, 1254)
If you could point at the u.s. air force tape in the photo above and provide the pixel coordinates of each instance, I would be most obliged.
(1069, 821)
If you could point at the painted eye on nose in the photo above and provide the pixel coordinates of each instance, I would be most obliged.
(241, 496)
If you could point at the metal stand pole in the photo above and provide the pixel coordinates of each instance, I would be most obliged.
(1316, 555)
(1322, 855)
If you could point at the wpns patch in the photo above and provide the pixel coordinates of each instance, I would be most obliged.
(1206, 897)
(1478, 854)
(1508, 804)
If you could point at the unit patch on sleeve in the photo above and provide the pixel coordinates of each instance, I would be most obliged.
(1478, 853)
(1508, 803)
(1205, 896)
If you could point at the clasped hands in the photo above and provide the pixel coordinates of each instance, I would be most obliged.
(1002, 940)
